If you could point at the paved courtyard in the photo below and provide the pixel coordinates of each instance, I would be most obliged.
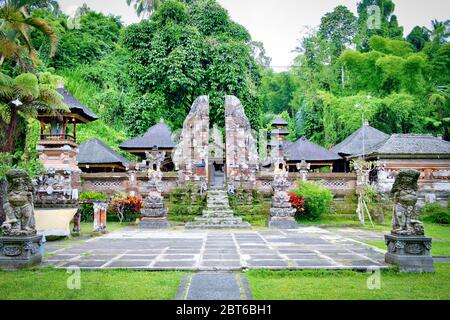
(132, 248)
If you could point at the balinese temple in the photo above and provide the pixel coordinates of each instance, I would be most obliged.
(157, 139)
(317, 156)
(353, 144)
(95, 156)
(58, 148)
(300, 150)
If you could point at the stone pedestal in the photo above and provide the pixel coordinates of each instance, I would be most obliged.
(154, 213)
(282, 223)
(20, 252)
(154, 223)
(410, 253)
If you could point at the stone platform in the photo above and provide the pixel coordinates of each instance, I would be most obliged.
(230, 250)
(218, 214)
(20, 252)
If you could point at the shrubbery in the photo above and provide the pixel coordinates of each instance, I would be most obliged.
(126, 207)
(87, 209)
(433, 212)
(317, 199)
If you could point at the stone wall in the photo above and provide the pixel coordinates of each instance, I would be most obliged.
(339, 183)
(434, 180)
(127, 182)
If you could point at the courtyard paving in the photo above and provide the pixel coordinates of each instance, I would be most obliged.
(199, 250)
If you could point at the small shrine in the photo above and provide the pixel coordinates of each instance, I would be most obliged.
(157, 139)
(58, 150)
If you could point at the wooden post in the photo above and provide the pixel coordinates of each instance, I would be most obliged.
(75, 129)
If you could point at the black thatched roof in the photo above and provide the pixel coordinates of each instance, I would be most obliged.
(353, 144)
(305, 149)
(76, 107)
(95, 151)
(157, 137)
(281, 132)
(412, 145)
(279, 121)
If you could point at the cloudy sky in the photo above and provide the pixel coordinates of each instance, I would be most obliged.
(278, 24)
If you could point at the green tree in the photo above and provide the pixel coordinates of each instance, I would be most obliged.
(376, 17)
(184, 52)
(22, 96)
(144, 8)
(16, 26)
(338, 28)
(418, 37)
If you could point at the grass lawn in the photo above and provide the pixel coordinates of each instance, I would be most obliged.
(439, 233)
(51, 284)
(349, 285)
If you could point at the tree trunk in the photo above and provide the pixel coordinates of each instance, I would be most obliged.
(11, 133)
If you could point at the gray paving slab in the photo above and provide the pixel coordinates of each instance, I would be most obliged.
(307, 247)
(214, 286)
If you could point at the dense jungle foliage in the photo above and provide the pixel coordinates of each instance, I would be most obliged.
(133, 75)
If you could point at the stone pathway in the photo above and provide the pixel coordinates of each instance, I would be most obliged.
(214, 286)
(359, 234)
(201, 250)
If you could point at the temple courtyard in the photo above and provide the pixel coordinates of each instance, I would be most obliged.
(133, 248)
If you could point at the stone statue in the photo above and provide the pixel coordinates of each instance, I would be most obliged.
(405, 220)
(407, 245)
(19, 205)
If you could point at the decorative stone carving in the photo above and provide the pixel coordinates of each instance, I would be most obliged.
(407, 246)
(282, 213)
(191, 153)
(241, 151)
(405, 220)
(303, 168)
(19, 205)
(19, 247)
(154, 213)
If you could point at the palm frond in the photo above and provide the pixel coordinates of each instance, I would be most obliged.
(43, 27)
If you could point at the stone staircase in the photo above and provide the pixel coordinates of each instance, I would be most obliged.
(218, 214)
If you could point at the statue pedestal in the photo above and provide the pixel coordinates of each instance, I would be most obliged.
(20, 252)
(410, 253)
(282, 223)
(154, 223)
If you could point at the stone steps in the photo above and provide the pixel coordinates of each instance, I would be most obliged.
(218, 214)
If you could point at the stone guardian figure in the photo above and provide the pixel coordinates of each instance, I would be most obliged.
(19, 244)
(407, 245)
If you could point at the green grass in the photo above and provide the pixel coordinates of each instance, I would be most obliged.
(51, 284)
(349, 285)
(439, 233)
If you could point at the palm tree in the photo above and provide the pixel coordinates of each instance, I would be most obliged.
(15, 28)
(145, 7)
(24, 96)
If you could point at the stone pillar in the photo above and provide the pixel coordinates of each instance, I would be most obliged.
(407, 245)
(100, 217)
(20, 247)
